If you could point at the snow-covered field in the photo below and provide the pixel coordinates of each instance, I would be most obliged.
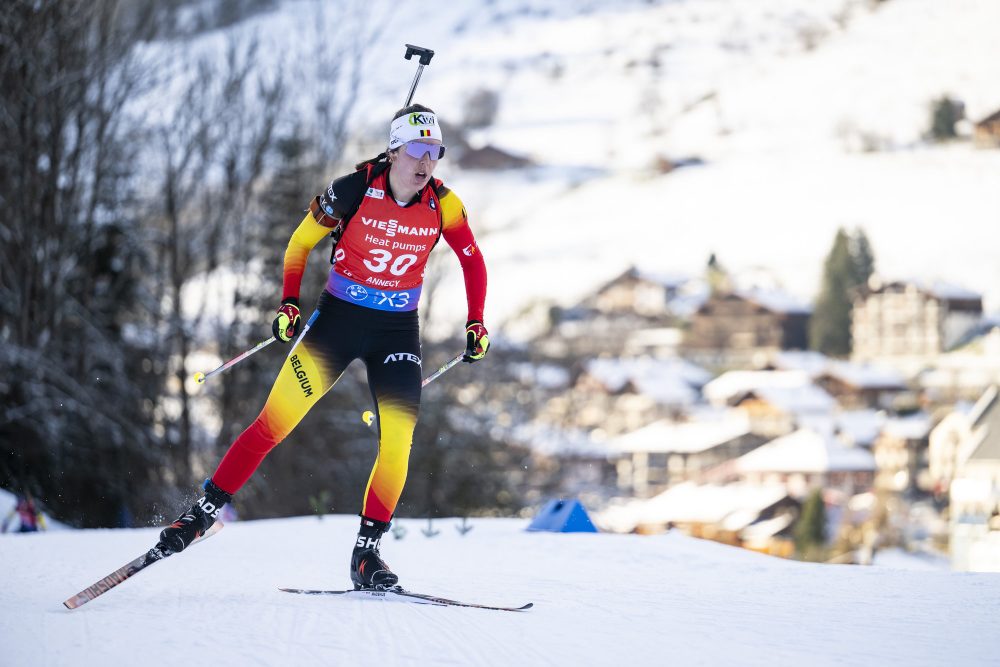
(599, 600)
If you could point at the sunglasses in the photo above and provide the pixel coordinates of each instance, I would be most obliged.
(417, 149)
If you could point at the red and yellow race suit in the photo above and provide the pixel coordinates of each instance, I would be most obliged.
(368, 312)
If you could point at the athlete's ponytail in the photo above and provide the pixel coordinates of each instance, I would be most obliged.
(384, 154)
(371, 161)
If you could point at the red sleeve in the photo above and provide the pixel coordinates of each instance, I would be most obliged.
(458, 234)
(473, 267)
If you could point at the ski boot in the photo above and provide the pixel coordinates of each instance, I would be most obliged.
(192, 524)
(368, 570)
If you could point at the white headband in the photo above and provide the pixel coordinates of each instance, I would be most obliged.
(416, 125)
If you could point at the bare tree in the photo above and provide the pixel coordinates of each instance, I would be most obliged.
(72, 412)
(213, 148)
(337, 73)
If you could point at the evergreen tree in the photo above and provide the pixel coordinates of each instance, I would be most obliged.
(945, 113)
(810, 531)
(716, 275)
(863, 256)
(848, 266)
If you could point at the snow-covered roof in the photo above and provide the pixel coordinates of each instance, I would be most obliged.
(553, 441)
(805, 400)
(667, 381)
(776, 301)
(762, 530)
(806, 451)
(731, 383)
(808, 361)
(938, 289)
(685, 293)
(987, 427)
(681, 438)
(948, 291)
(860, 426)
(984, 402)
(865, 376)
(669, 279)
(733, 506)
(912, 427)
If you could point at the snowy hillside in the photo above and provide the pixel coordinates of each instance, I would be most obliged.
(780, 128)
(806, 115)
(599, 599)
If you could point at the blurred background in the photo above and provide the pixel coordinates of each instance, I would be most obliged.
(743, 259)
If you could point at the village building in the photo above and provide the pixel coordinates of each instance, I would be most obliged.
(944, 443)
(809, 459)
(968, 370)
(648, 293)
(777, 411)
(666, 453)
(758, 517)
(859, 386)
(901, 452)
(636, 312)
(975, 490)
(616, 396)
(722, 389)
(775, 402)
(986, 133)
(856, 428)
(808, 361)
(907, 324)
(733, 328)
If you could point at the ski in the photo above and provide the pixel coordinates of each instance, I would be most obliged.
(126, 571)
(401, 595)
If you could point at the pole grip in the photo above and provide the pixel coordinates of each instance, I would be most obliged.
(425, 59)
(425, 54)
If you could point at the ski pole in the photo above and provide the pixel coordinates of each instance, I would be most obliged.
(425, 59)
(201, 377)
(368, 416)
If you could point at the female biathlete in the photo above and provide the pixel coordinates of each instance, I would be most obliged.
(387, 216)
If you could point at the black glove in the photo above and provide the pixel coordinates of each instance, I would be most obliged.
(286, 325)
(477, 341)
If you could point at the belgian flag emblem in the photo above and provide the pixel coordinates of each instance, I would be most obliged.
(425, 133)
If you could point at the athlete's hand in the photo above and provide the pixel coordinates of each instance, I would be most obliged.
(286, 325)
(477, 341)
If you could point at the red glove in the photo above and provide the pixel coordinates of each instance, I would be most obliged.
(286, 325)
(477, 341)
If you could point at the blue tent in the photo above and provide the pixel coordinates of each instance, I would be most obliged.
(563, 516)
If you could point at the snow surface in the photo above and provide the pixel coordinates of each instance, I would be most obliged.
(599, 599)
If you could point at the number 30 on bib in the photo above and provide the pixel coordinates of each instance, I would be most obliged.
(383, 260)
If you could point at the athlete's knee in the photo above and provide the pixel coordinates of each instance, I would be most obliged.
(260, 437)
(393, 449)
